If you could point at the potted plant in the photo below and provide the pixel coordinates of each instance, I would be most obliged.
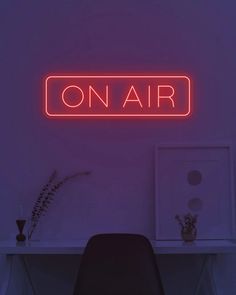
(188, 227)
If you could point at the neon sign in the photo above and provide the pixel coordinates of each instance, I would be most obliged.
(117, 96)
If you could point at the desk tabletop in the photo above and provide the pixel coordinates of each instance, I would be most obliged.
(197, 247)
(78, 246)
(43, 247)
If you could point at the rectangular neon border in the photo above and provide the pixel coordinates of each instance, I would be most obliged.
(118, 115)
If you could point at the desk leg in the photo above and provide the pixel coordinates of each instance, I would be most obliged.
(207, 268)
(7, 288)
(28, 274)
(212, 258)
(201, 276)
(9, 261)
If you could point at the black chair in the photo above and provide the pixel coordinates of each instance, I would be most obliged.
(118, 264)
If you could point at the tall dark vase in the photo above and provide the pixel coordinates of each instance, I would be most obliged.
(20, 224)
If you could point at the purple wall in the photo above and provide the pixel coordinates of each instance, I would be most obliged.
(196, 38)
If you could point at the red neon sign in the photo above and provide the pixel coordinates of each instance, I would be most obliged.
(117, 96)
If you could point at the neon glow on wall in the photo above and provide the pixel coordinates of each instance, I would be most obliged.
(117, 96)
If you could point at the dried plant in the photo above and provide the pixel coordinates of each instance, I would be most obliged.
(46, 196)
(187, 223)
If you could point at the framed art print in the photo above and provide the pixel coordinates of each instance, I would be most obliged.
(196, 180)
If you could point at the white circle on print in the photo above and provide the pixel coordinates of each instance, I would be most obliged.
(194, 177)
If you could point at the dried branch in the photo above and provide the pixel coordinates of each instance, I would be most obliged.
(46, 197)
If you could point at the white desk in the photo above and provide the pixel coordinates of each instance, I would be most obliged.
(159, 247)
(198, 247)
(43, 247)
(208, 248)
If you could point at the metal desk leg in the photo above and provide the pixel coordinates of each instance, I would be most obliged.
(202, 274)
(9, 258)
(207, 268)
(212, 258)
(23, 263)
(28, 274)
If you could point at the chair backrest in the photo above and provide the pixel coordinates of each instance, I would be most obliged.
(118, 264)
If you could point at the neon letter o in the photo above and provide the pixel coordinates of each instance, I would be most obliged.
(64, 99)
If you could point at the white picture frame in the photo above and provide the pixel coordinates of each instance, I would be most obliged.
(196, 179)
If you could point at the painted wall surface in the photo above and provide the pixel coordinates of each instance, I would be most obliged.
(38, 38)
